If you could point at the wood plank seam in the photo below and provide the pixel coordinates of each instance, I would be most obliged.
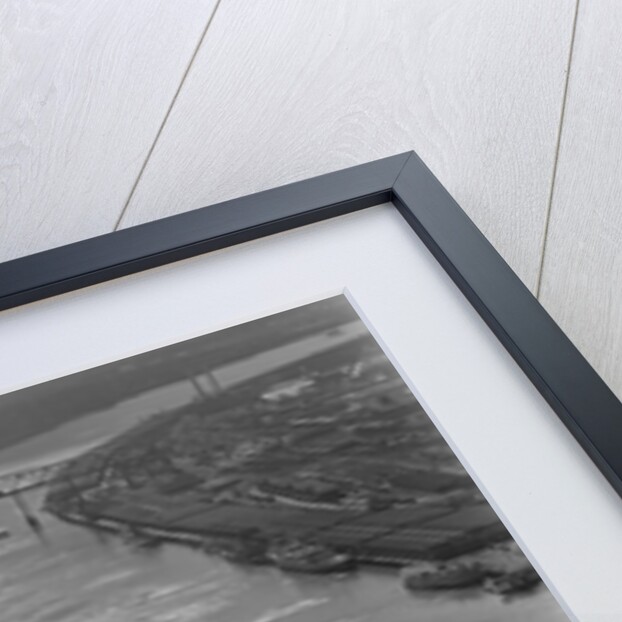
(547, 217)
(166, 115)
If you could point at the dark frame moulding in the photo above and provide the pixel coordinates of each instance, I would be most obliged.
(581, 399)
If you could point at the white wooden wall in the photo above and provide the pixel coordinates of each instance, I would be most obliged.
(116, 113)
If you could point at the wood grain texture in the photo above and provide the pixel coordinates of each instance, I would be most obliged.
(282, 91)
(84, 87)
(582, 275)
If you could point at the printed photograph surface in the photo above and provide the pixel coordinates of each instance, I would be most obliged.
(279, 470)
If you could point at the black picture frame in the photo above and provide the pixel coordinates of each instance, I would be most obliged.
(572, 388)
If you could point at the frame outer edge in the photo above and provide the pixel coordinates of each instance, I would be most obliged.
(573, 389)
(120, 253)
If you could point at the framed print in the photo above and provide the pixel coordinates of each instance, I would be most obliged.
(328, 401)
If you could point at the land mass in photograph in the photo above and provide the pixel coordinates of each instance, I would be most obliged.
(318, 465)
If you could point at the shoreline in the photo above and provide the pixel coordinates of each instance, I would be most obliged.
(116, 526)
(470, 571)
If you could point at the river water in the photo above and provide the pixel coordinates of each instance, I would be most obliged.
(72, 574)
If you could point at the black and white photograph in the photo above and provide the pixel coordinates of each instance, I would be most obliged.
(278, 470)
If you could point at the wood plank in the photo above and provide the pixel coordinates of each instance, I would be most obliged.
(279, 92)
(84, 87)
(582, 275)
